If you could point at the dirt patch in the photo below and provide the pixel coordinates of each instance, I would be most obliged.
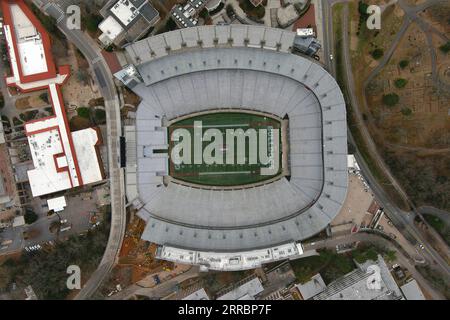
(79, 123)
(31, 102)
(413, 135)
(130, 97)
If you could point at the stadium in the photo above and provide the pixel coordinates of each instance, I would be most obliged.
(211, 83)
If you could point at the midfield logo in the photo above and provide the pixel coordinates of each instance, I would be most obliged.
(240, 147)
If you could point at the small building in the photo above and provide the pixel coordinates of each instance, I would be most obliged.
(411, 291)
(352, 164)
(305, 32)
(57, 204)
(186, 15)
(197, 295)
(312, 288)
(126, 21)
(307, 45)
(19, 221)
(247, 291)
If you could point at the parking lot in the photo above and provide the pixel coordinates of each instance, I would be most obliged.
(80, 214)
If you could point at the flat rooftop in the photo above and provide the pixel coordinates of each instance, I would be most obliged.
(30, 46)
(57, 153)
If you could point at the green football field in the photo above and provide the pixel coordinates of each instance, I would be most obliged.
(222, 174)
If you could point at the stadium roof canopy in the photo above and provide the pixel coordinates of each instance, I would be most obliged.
(248, 68)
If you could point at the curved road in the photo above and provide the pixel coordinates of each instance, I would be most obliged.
(112, 106)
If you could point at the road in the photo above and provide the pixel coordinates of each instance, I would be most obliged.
(107, 88)
(159, 291)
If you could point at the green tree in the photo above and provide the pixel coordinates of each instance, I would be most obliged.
(445, 48)
(30, 217)
(83, 112)
(44, 97)
(400, 83)
(5, 277)
(403, 64)
(362, 9)
(377, 53)
(363, 254)
(391, 99)
(204, 14)
(100, 116)
(390, 256)
(92, 21)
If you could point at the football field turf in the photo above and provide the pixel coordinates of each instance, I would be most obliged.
(222, 174)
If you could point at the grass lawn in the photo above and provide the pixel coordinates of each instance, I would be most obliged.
(329, 264)
(440, 226)
(222, 174)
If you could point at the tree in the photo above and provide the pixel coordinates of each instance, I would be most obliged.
(390, 256)
(363, 254)
(204, 14)
(390, 99)
(82, 75)
(230, 11)
(92, 21)
(400, 83)
(377, 53)
(445, 48)
(30, 217)
(362, 8)
(83, 112)
(100, 116)
(44, 97)
(5, 277)
(403, 64)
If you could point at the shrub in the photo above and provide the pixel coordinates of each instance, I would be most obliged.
(92, 21)
(406, 111)
(445, 48)
(252, 11)
(362, 8)
(100, 115)
(83, 112)
(400, 83)
(377, 53)
(390, 99)
(361, 255)
(30, 217)
(44, 97)
(403, 64)
(204, 14)
(230, 11)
